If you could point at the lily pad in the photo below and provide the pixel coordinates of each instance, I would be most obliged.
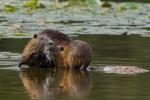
(9, 8)
(133, 6)
(121, 7)
(33, 4)
(21, 34)
(76, 2)
(0, 35)
(107, 4)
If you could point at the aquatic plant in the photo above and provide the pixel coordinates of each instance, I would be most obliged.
(9, 8)
(33, 4)
(21, 34)
(0, 35)
(133, 6)
(121, 7)
(76, 2)
(107, 4)
(91, 3)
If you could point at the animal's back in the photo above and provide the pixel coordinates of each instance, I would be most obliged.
(34, 53)
(78, 54)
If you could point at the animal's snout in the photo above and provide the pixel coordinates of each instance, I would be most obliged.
(51, 43)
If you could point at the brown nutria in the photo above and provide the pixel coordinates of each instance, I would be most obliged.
(60, 39)
(77, 55)
(39, 52)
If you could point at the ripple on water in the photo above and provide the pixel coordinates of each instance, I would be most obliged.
(8, 58)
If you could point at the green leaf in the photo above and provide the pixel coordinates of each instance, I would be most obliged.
(132, 6)
(106, 4)
(0, 35)
(31, 4)
(9, 8)
(21, 34)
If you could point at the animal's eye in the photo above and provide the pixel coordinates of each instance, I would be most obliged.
(61, 48)
(51, 43)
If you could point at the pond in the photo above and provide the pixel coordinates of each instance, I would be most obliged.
(127, 25)
(55, 84)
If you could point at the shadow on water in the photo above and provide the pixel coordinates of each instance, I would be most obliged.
(46, 84)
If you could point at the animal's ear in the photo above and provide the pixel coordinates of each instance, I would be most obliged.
(35, 36)
(61, 48)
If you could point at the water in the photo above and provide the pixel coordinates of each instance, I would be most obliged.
(58, 84)
(116, 49)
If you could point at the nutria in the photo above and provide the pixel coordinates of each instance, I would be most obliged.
(44, 50)
(77, 55)
(39, 52)
(60, 39)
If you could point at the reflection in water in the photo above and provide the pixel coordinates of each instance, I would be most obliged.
(44, 84)
(73, 83)
(37, 82)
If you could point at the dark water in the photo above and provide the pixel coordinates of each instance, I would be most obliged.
(55, 84)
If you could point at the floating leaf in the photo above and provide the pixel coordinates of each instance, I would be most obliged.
(121, 7)
(9, 8)
(76, 2)
(0, 35)
(91, 3)
(21, 34)
(132, 6)
(107, 4)
(33, 4)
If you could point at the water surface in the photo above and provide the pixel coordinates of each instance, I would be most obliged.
(55, 84)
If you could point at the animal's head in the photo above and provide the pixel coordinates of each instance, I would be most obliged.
(52, 50)
(38, 52)
(48, 47)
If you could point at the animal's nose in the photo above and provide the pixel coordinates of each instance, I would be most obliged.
(50, 42)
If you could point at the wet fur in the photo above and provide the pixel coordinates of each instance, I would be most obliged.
(59, 38)
(35, 53)
(77, 55)
(38, 54)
